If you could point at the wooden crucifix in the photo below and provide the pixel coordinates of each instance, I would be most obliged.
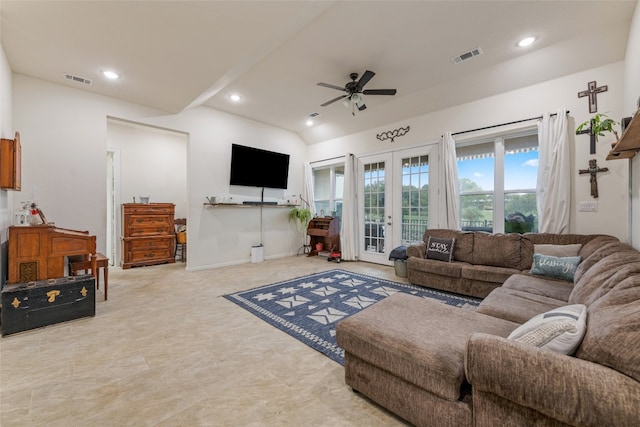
(593, 170)
(592, 92)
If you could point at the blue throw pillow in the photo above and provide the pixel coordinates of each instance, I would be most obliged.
(562, 268)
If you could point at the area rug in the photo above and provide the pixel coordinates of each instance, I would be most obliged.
(308, 308)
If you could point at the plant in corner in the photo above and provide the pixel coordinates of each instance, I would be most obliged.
(301, 216)
(599, 124)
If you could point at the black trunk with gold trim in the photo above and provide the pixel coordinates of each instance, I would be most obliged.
(35, 304)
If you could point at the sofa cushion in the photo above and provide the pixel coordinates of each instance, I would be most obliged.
(498, 250)
(418, 340)
(560, 330)
(559, 268)
(484, 273)
(604, 275)
(447, 269)
(543, 286)
(613, 330)
(516, 306)
(558, 250)
(463, 248)
(595, 251)
(529, 240)
(440, 249)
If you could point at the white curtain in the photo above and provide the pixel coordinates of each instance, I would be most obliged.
(349, 231)
(448, 206)
(307, 190)
(553, 190)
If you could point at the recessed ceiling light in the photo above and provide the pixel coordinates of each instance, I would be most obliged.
(235, 97)
(309, 122)
(112, 75)
(527, 41)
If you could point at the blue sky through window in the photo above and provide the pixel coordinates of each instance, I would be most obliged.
(520, 171)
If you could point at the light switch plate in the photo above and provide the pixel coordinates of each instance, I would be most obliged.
(589, 206)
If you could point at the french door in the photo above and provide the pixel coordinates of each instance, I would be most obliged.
(397, 193)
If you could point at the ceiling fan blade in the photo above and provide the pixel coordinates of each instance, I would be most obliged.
(368, 75)
(379, 92)
(362, 107)
(330, 86)
(333, 100)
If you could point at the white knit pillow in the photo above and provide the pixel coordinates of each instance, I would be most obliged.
(560, 330)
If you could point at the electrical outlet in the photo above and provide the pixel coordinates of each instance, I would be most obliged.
(590, 206)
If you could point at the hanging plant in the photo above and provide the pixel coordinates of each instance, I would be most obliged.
(301, 216)
(599, 124)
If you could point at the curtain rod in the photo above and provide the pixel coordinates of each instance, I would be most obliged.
(326, 160)
(503, 124)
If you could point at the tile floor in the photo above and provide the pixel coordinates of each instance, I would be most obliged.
(167, 350)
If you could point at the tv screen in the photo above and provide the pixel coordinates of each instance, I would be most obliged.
(253, 167)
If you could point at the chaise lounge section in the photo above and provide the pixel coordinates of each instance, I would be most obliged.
(437, 365)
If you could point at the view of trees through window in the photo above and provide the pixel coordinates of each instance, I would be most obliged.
(415, 198)
(499, 200)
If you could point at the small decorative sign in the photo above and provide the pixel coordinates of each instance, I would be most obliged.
(392, 134)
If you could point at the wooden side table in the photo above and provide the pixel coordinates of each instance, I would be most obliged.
(82, 263)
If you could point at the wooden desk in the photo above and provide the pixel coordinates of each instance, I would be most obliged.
(83, 263)
(37, 252)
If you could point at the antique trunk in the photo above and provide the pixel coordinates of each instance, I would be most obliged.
(35, 304)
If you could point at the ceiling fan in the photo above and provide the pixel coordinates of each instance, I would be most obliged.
(354, 91)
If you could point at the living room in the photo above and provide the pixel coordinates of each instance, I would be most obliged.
(65, 133)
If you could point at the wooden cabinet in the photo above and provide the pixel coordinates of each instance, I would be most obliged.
(148, 234)
(10, 161)
(629, 143)
(325, 230)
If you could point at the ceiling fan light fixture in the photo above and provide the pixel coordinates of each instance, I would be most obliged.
(346, 102)
(355, 98)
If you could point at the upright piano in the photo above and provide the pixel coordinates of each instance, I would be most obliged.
(37, 252)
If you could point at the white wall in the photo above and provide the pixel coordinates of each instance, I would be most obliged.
(6, 131)
(64, 140)
(612, 215)
(153, 163)
(631, 97)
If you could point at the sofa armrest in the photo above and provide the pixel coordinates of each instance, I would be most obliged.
(417, 250)
(572, 390)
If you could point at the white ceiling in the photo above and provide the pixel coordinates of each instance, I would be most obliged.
(173, 55)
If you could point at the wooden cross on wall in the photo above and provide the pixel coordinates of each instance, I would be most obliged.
(593, 170)
(592, 137)
(592, 93)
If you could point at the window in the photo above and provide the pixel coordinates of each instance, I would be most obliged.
(498, 184)
(415, 198)
(328, 187)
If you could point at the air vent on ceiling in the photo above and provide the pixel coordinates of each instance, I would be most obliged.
(312, 115)
(78, 79)
(467, 55)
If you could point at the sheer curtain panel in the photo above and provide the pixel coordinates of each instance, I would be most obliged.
(449, 205)
(349, 232)
(553, 191)
(307, 190)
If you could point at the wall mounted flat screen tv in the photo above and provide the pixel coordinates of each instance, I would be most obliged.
(253, 167)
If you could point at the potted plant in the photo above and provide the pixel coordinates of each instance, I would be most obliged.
(301, 216)
(599, 124)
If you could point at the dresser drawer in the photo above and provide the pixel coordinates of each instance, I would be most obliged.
(151, 225)
(160, 243)
(149, 255)
(148, 209)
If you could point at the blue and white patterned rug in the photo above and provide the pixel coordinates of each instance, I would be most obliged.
(308, 308)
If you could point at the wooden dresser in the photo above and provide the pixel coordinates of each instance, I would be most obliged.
(148, 234)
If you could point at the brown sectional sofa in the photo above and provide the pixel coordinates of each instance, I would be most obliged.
(437, 365)
(482, 262)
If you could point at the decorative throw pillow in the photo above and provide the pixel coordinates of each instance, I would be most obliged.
(558, 250)
(562, 268)
(440, 249)
(560, 330)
